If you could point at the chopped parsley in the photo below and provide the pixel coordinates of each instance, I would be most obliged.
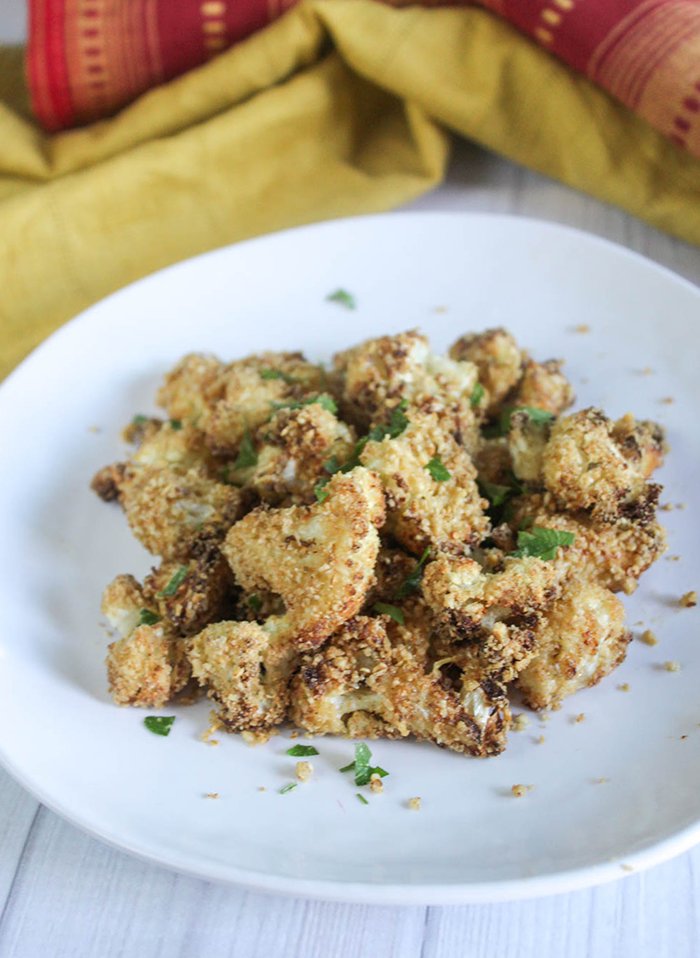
(176, 424)
(541, 543)
(159, 724)
(174, 584)
(343, 298)
(496, 495)
(383, 608)
(277, 374)
(247, 456)
(539, 416)
(361, 767)
(254, 602)
(362, 799)
(288, 788)
(298, 750)
(146, 617)
(323, 400)
(477, 395)
(412, 581)
(397, 424)
(138, 420)
(437, 469)
(320, 490)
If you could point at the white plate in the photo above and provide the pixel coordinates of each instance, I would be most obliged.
(95, 764)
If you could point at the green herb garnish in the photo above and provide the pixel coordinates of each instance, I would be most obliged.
(277, 374)
(361, 767)
(412, 581)
(539, 416)
(324, 400)
(159, 724)
(477, 395)
(254, 602)
(176, 424)
(362, 799)
(138, 420)
(297, 750)
(541, 543)
(247, 456)
(437, 469)
(288, 788)
(385, 609)
(343, 298)
(320, 490)
(174, 584)
(496, 495)
(397, 424)
(146, 617)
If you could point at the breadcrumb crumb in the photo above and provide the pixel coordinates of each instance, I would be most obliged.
(582, 328)
(647, 371)
(304, 771)
(680, 505)
(627, 868)
(520, 722)
(258, 736)
(689, 600)
(672, 666)
(212, 795)
(541, 740)
(673, 558)
(414, 804)
(625, 687)
(580, 717)
(520, 790)
(376, 785)
(666, 507)
(600, 781)
(649, 638)
(667, 400)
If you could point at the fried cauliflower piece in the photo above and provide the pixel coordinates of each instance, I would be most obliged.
(191, 390)
(614, 555)
(295, 446)
(392, 569)
(422, 511)
(246, 676)
(543, 386)
(584, 468)
(527, 438)
(641, 443)
(173, 445)
(581, 639)
(362, 686)
(377, 375)
(148, 665)
(489, 618)
(498, 358)
(253, 386)
(319, 559)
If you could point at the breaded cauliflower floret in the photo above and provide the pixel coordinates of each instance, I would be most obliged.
(193, 594)
(527, 439)
(392, 569)
(243, 674)
(422, 511)
(498, 359)
(583, 466)
(180, 447)
(612, 554)
(581, 640)
(641, 443)
(362, 686)
(253, 386)
(147, 666)
(319, 559)
(295, 446)
(377, 375)
(543, 386)
(192, 388)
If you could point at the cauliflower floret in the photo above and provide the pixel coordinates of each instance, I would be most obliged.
(543, 386)
(527, 439)
(319, 559)
(175, 445)
(377, 375)
(423, 510)
(253, 386)
(295, 446)
(248, 678)
(489, 618)
(583, 466)
(192, 388)
(148, 665)
(581, 640)
(362, 686)
(641, 443)
(498, 359)
(192, 595)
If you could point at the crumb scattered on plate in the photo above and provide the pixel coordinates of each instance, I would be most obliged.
(649, 638)
(672, 666)
(689, 600)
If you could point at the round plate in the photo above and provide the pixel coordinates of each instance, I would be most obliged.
(619, 790)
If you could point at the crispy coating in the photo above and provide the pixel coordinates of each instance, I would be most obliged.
(583, 466)
(488, 618)
(251, 393)
(498, 358)
(421, 511)
(319, 559)
(581, 640)
(191, 390)
(107, 481)
(180, 448)
(543, 386)
(377, 375)
(394, 565)
(362, 686)
(642, 443)
(147, 665)
(246, 678)
(293, 449)
(614, 555)
(493, 461)
(527, 439)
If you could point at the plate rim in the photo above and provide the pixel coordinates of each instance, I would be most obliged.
(526, 887)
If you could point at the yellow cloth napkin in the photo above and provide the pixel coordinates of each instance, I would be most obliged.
(341, 107)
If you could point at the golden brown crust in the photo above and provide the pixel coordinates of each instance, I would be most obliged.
(543, 386)
(498, 358)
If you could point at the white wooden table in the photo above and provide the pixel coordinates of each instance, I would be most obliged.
(63, 893)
